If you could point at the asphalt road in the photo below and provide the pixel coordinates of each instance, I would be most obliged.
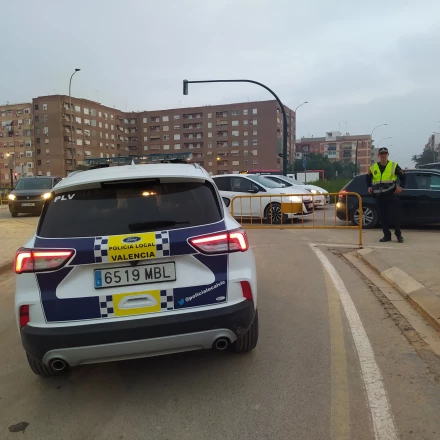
(330, 364)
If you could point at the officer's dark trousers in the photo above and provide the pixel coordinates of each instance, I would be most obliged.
(388, 205)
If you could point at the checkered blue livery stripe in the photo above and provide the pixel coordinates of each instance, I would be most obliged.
(162, 244)
(106, 306)
(167, 299)
(101, 250)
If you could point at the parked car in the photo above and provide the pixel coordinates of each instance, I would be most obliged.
(419, 201)
(268, 207)
(319, 194)
(29, 193)
(134, 261)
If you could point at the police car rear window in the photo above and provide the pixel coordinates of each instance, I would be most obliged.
(129, 208)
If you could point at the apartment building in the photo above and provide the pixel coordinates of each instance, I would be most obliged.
(223, 139)
(16, 142)
(64, 135)
(338, 147)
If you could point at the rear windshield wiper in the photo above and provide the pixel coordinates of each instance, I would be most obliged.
(146, 226)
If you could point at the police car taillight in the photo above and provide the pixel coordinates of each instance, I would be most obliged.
(24, 315)
(232, 241)
(28, 260)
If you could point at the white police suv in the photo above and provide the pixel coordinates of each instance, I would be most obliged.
(134, 261)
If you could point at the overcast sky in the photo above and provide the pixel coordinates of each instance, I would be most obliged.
(358, 63)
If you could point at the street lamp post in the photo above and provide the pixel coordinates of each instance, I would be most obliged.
(11, 168)
(185, 92)
(71, 122)
(294, 136)
(384, 139)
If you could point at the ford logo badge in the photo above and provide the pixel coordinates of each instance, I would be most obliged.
(131, 239)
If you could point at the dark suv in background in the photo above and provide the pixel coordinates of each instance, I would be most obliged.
(419, 201)
(28, 194)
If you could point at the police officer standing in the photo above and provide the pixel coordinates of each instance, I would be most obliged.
(382, 183)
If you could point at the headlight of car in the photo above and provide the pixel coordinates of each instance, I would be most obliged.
(314, 191)
(11, 197)
(295, 199)
(46, 196)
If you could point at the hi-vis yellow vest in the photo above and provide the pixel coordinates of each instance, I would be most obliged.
(386, 181)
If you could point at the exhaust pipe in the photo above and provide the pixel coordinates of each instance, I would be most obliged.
(58, 365)
(221, 344)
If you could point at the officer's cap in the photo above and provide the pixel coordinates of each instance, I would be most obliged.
(383, 150)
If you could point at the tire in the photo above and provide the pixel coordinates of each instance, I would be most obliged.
(14, 214)
(370, 217)
(273, 214)
(40, 369)
(249, 340)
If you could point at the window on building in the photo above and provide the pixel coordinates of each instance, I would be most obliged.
(47, 151)
(254, 152)
(44, 118)
(254, 122)
(38, 162)
(254, 111)
(144, 120)
(165, 118)
(255, 162)
(209, 115)
(177, 137)
(29, 153)
(255, 142)
(246, 153)
(27, 111)
(86, 111)
(36, 118)
(30, 164)
(93, 112)
(166, 137)
(235, 112)
(245, 143)
(106, 126)
(46, 141)
(245, 122)
(36, 107)
(145, 138)
(93, 122)
(245, 133)
(176, 117)
(177, 146)
(235, 133)
(209, 124)
(177, 127)
(235, 143)
(38, 141)
(210, 134)
(166, 147)
(209, 144)
(45, 130)
(235, 123)
(166, 128)
(79, 142)
(78, 120)
(255, 132)
(235, 163)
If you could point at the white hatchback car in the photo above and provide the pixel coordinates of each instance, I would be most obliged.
(134, 261)
(320, 195)
(268, 207)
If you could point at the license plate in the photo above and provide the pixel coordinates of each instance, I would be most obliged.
(127, 276)
(28, 204)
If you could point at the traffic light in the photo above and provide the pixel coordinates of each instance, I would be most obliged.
(185, 86)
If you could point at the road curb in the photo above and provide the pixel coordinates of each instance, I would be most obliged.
(421, 298)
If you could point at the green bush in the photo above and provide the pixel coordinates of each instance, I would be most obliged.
(332, 186)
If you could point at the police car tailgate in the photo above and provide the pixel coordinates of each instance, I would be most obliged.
(114, 275)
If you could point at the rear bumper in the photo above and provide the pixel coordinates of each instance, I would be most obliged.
(151, 336)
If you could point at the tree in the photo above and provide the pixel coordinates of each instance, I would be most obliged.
(427, 156)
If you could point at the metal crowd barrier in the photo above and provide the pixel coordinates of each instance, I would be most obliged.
(286, 211)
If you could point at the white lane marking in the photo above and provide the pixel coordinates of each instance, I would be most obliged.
(383, 421)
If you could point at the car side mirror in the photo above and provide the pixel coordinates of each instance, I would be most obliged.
(226, 201)
(252, 190)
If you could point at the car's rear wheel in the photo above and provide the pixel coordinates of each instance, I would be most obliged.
(369, 218)
(274, 215)
(40, 369)
(14, 214)
(249, 340)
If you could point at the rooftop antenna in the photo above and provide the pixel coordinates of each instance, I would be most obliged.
(346, 130)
